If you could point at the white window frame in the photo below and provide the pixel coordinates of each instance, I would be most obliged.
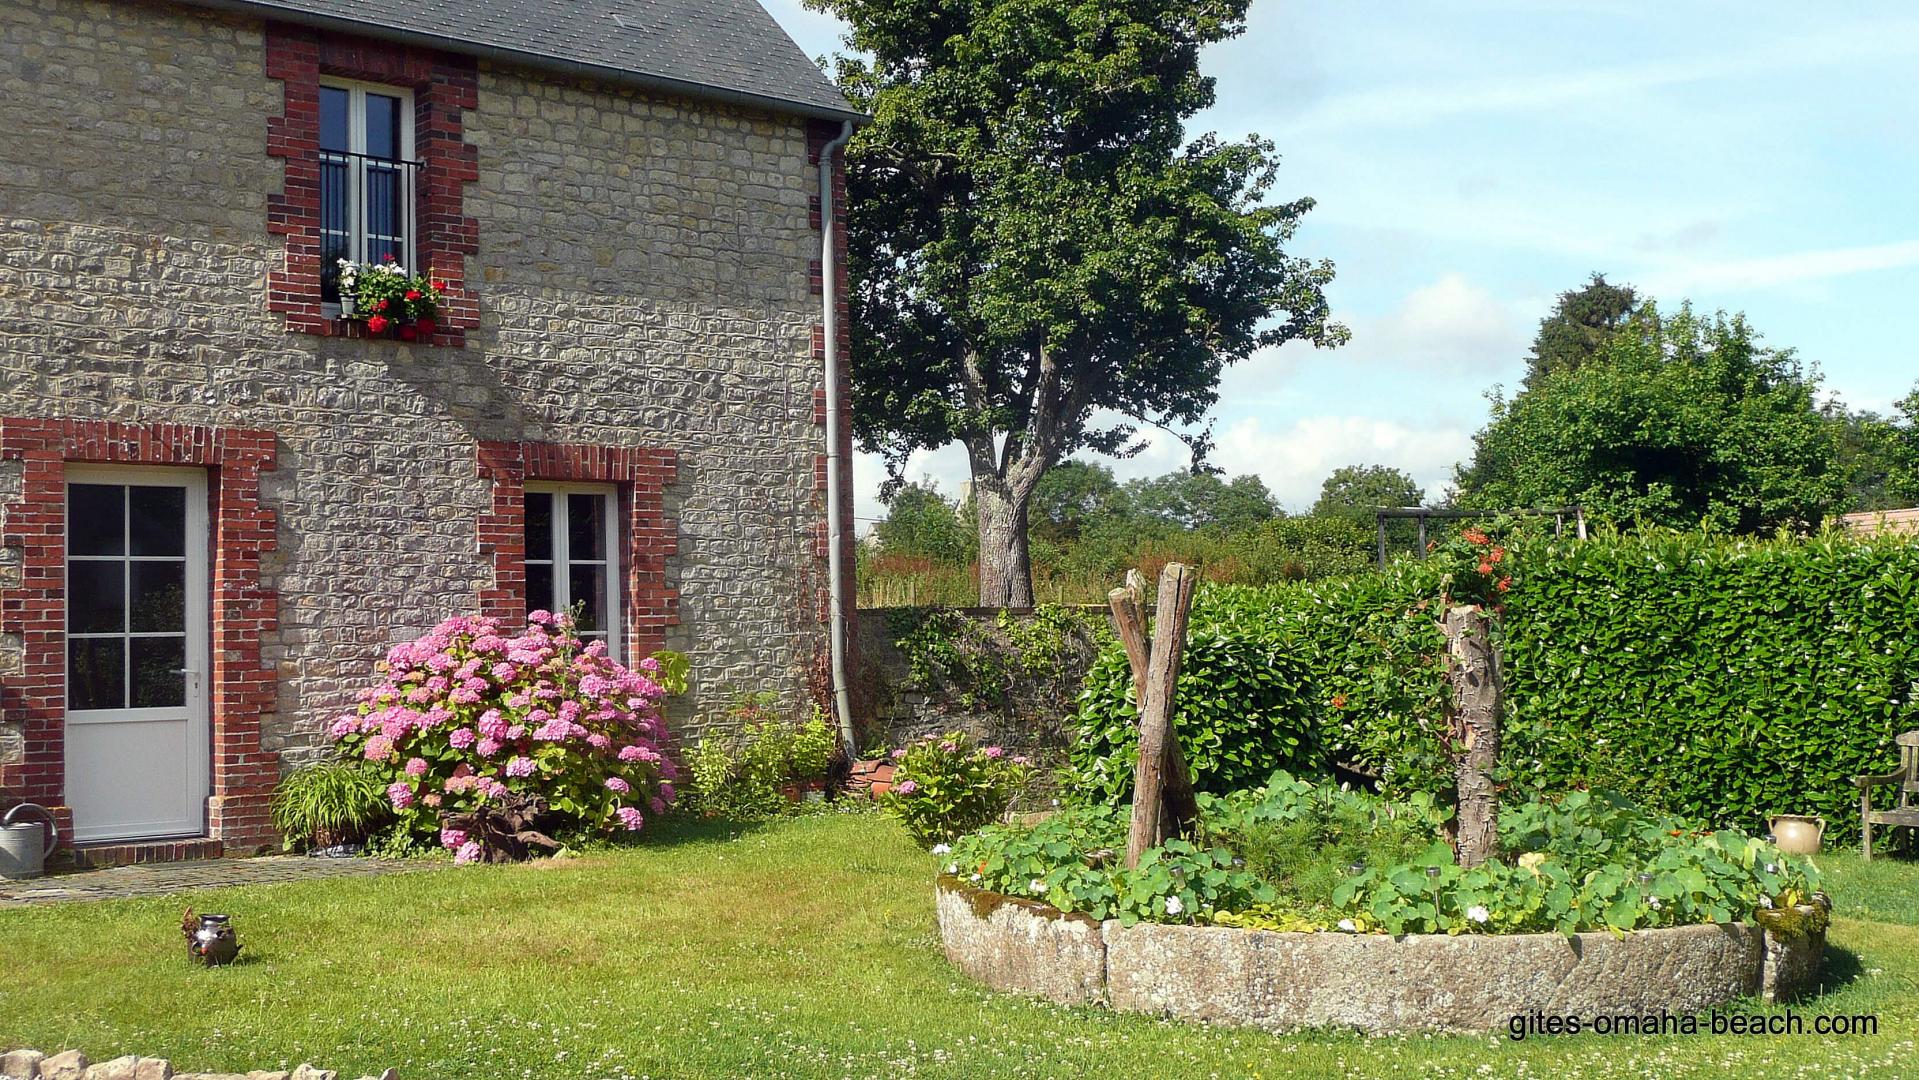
(563, 597)
(356, 144)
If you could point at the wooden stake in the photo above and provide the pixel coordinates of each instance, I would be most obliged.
(1178, 808)
(1156, 809)
(1472, 714)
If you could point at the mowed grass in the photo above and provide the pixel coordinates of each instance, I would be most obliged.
(804, 948)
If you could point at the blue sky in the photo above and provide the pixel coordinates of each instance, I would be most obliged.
(1472, 159)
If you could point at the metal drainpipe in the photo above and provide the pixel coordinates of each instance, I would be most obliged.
(835, 494)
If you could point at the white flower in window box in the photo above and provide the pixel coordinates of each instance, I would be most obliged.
(349, 281)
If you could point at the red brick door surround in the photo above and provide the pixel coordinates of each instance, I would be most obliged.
(241, 693)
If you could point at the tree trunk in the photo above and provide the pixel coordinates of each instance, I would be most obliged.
(1005, 566)
(1472, 717)
(1151, 823)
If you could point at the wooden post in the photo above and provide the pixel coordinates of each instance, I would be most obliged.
(1154, 814)
(1380, 520)
(1472, 716)
(1178, 808)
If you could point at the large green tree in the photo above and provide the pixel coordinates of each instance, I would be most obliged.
(1070, 495)
(1199, 500)
(1582, 322)
(1356, 492)
(921, 521)
(1878, 455)
(1677, 421)
(1035, 243)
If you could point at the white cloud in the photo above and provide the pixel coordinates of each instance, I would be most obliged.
(1296, 459)
(1415, 105)
(1449, 324)
(1774, 271)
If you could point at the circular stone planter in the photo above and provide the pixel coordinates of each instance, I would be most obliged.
(1371, 982)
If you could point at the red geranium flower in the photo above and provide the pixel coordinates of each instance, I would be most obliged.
(381, 306)
(377, 324)
(440, 285)
(388, 257)
(413, 294)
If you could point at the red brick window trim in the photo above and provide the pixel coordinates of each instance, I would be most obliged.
(647, 539)
(242, 694)
(443, 86)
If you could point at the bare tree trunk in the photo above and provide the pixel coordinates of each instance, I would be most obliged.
(1178, 808)
(1151, 823)
(1005, 567)
(1472, 717)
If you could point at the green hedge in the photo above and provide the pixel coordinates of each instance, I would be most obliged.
(1718, 678)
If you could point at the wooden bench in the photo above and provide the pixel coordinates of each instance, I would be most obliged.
(1907, 778)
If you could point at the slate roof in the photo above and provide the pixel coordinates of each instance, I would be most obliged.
(728, 49)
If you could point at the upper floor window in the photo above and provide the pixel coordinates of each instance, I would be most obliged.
(367, 178)
(572, 534)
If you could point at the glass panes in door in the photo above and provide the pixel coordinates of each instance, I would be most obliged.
(571, 537)
(126, 597)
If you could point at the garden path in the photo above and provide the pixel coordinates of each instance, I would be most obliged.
(159, 879)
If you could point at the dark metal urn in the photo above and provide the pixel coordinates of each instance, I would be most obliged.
(210, 939)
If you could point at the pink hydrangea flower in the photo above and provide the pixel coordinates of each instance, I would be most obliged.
(631, 818)
(416, 766)
(520, 766)
(451, 839)
(399, 794)
(460, 738)
(488, 746)
(907, 787)
(470, 852)
(344, 726)
(617, 785)
(993, 752)
(378, 748)
(898, 754)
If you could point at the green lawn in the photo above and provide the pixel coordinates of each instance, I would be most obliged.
(804, 948)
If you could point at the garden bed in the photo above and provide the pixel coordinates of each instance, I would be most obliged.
(1374, 983)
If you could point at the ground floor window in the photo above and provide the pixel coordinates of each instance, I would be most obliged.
(572, 533)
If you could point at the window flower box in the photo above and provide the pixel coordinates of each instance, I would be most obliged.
(390, 301)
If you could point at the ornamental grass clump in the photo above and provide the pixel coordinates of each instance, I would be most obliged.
(468, 717)
(947, 785)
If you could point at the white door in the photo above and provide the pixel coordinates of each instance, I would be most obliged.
(137, 746)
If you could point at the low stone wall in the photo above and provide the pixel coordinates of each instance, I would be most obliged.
(1371, 982)
(74, 1065)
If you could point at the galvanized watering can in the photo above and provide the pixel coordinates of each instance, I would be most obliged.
(24, 847)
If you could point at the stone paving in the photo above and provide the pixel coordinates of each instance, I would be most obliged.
(160, 879)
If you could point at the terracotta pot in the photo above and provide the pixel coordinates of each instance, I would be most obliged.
(1797, 834)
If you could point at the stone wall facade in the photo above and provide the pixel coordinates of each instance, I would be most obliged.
(642, 277)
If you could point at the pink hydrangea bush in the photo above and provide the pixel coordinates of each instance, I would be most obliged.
(468, 714)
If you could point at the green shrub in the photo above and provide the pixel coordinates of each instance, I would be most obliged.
(1715, 678)
(1238, 714)
(746, 774)
(328, 803)
(945, 785)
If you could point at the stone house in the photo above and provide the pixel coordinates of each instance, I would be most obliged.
(221, 501)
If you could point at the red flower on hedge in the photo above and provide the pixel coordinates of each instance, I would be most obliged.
(1475, 536)
(1339, 701)
(1485, 568)
(377, 323)
(413, 294)
(381, 306)
(1504, 584)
